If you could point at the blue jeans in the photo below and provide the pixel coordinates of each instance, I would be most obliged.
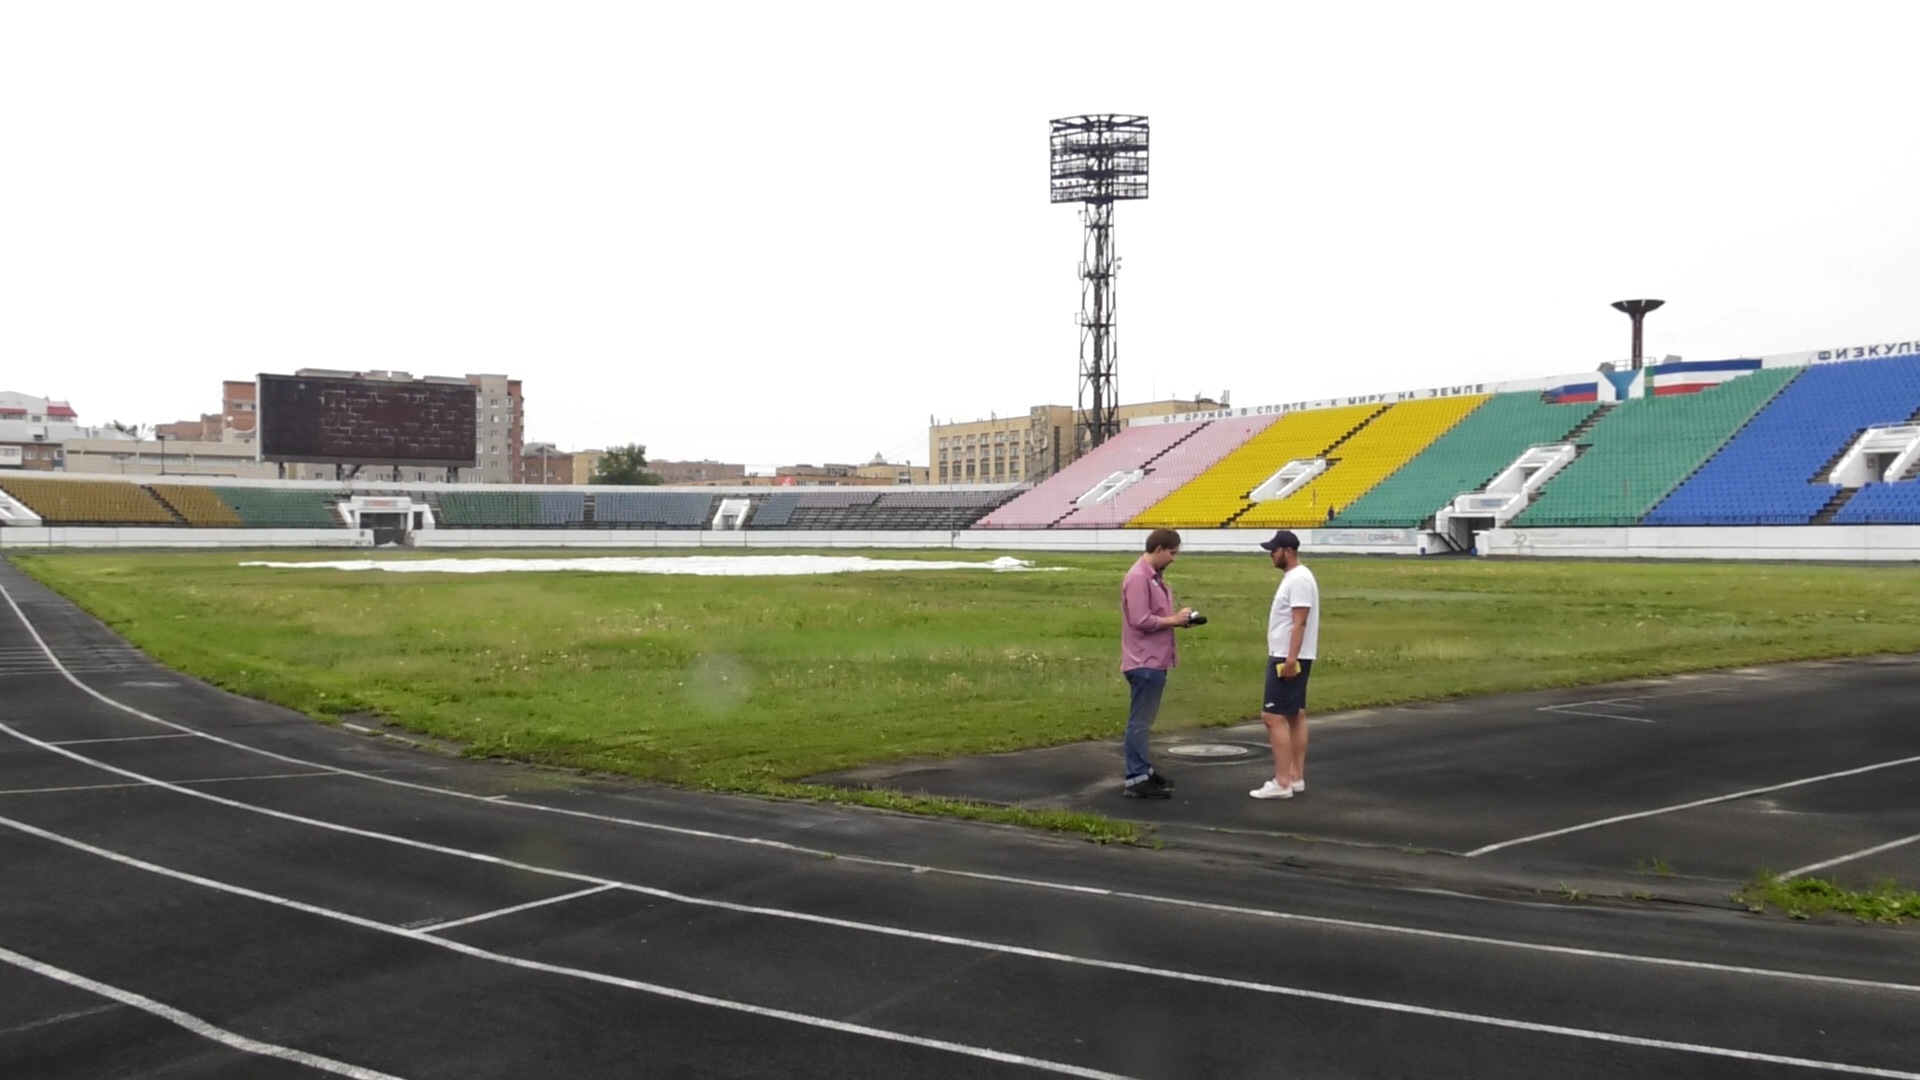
(1146, 685)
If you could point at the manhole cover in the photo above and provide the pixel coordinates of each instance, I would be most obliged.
(1208, 750)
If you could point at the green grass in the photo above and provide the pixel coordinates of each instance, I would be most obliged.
(754, 683)
(1805, 897)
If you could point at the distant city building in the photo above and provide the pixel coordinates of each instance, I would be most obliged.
(35, 431)
(697, 472)
(235, 422)
(167, 457)
(1026, 449)
(545, 463)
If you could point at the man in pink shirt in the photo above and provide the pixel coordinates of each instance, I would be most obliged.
(1147, 653)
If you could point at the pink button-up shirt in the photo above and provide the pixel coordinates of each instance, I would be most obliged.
(1144, 601)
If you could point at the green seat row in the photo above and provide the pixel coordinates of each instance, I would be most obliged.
(1473, 452)
(273, 508)
(489, 509)
(1647, 447)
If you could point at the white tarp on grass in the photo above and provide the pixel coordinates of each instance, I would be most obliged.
(705, 565)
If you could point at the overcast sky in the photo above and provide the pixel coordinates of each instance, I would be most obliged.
(791, 232)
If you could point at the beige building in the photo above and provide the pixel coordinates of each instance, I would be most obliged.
(167, 457)
(1025, 449)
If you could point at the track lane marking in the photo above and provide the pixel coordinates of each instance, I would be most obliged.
(149, 783)
(1375, 1004)
(190, 1022)
(515, 909)
(1617, 818)
(424, 936)
(918, 868)
(1851, 856)
(123, 738)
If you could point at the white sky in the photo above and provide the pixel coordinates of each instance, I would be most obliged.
(790, 232)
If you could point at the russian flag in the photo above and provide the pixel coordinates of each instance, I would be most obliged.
(1693, 376)
(1572, 393)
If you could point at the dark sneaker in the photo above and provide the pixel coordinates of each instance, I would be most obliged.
(1147, 789)
(1158, 777)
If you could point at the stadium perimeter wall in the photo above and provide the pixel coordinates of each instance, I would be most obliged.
(1827, 543)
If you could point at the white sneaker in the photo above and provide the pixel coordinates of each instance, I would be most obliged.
(1299, 786)
(1271, 790)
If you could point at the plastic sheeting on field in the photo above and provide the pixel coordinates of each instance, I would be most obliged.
(704, 565)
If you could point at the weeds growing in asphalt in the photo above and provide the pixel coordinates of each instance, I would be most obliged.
(1805, 897)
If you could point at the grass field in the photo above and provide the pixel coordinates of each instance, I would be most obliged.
(746, 682)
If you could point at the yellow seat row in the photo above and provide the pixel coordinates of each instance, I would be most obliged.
(1374, 453)
(87, 502)
(200, 506)
(1210, 499)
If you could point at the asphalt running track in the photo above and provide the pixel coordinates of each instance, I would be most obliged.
(201, 886)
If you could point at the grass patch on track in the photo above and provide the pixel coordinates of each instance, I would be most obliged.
(755, 683)
(1805, 897)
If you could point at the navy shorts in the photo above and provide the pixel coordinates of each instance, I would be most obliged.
(1286, 696)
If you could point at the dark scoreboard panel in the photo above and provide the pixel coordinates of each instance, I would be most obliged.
(366, 421)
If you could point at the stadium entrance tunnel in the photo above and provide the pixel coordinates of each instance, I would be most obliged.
(392, 519)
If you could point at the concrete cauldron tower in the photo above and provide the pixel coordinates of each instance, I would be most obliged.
(1096, 161)
(1637, 311)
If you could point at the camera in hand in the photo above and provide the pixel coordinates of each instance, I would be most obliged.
(1196, 619)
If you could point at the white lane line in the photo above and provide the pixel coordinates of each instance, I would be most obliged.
(1616, 819)
(149, 783)
(515, 909)
(891, 931)
(123, 738)
(49, 1021)
(1851, 856)
(961, 1048)
(424, 936)
(1566, 711)
(193, 1023)
(919, 868)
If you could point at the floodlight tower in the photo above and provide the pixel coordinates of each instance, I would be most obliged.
(1637, 311)
(1097, 160)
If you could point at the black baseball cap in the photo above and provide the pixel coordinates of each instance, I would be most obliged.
(1282, 539)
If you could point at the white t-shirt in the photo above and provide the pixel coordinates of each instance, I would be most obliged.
(1297, 590)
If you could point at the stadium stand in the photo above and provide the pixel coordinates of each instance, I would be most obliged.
(1767, 475)
(1054, 498)
(875, 509)
(1897, 503)
(1369, 456)
(490, 509)
(562, 508)
(81, 502)
(1167, 472)
(653, 509)
(278, 508)
(1645, 448)
(1464, 459)
(197, 506)
(1218, 496)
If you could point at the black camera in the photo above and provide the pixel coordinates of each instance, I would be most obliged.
(1196, 619)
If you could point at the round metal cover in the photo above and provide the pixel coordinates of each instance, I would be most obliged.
(1208, 750)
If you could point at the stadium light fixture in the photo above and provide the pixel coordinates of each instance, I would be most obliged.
(1097, 160)
(1637, 311)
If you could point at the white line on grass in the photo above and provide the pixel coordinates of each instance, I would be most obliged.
(424, 936)
(515, 909)
(1617, 818)
(914, 868)
(1847, 858)
(1374, 1004)
(192, 1023)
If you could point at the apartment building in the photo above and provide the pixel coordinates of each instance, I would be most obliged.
(1026, 449)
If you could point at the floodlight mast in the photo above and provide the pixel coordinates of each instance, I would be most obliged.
(1637, 311)
(1097, 160)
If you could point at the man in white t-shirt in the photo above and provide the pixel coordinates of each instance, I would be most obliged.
(1293, 637)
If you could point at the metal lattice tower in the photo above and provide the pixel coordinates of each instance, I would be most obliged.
(1097, 160)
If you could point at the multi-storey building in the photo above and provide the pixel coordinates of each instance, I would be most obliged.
(35, 431)
(498, 432)
(1025, 449)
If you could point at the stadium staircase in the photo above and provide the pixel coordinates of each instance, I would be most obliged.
(587, 509)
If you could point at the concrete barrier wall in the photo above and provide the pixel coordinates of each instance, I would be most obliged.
(1844, 543)
(1856, 543)
(65, 536)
